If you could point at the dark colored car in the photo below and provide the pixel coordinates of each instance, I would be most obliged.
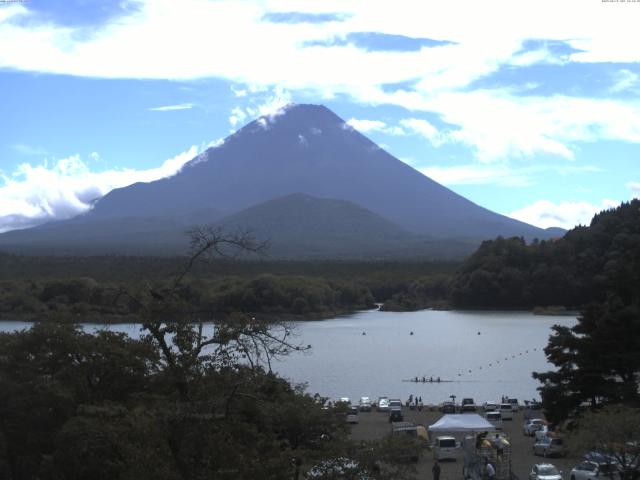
(395, 415)
(448, 407)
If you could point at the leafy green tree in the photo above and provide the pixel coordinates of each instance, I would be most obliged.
(597, 360)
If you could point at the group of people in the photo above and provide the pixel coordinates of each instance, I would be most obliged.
(415, 402)
(424, 380)
(489, 470)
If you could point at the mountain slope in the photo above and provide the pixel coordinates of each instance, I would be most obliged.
(309, 149)
(304, 149)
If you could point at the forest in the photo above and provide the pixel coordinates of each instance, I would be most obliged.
(582, 267)
(90, 288)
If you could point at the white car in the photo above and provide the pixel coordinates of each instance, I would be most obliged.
(383, 404)
(530, 427)
(364, 404)
(490, 406)
(495, 419)
(543, 432)
(589, 470)
(514, 404)
(549, 446)
(545, 471)
(352, 415)
(445, 447)
(506, 411)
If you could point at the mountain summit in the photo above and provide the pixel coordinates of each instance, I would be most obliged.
(305, 149)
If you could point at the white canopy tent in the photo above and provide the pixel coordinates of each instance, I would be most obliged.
(457, 425)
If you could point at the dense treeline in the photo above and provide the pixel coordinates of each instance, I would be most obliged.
(571, 271)
(85, 299)
(425, 292)
(598, 359)
(88, 288)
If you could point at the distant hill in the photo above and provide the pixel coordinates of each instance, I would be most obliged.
(305, 149)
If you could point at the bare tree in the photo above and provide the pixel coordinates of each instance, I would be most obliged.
(190, 343)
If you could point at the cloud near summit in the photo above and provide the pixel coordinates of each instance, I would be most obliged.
(61, 189)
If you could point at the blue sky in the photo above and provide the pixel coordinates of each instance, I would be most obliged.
(531, 109)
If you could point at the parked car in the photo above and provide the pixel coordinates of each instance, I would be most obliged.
(468, 405)
(490, 406)
(506, 411)
(445, 447)
(346, 400)
(395, 403)
(448, 407)
(352, 415)
(549, 446)
(531, 426)
(383, 404)
(515, 406)
(364, 404)
(545, 471)
(495, 419)
(599, 457)
(395, 414)
(543, 432)
(588, 470)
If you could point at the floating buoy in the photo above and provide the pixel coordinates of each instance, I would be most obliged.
(478, 333)
(410, 333)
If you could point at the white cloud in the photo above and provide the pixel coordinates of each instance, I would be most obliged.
(237, 116)
(169, 108)
(500, 175)
(497, 124)
(624, 80)
(23, 149)
(61, 189)
(366, 126)
(238, 92)
(544, 213)
(424, 128)
(635, 189)
(275, 104)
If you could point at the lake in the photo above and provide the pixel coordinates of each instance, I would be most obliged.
(483, 355)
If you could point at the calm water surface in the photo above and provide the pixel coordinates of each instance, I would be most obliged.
(344, 362)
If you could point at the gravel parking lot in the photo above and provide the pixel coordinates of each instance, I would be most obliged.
(374, 425)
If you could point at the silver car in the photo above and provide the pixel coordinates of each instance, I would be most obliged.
(549, 446)
(383, 404)
(530, 427)
(588, 470)
(545, 471)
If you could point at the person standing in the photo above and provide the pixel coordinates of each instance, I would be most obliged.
(491, 471)
(436, 470)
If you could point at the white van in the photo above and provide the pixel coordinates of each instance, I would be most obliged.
(514, 404)
(445, 448)
(506, 411)
(495, 419)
